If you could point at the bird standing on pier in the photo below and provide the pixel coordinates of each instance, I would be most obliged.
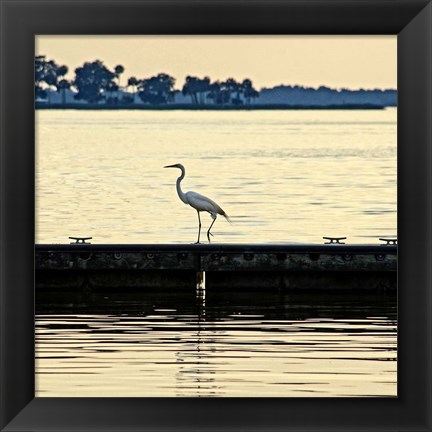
(199, 202)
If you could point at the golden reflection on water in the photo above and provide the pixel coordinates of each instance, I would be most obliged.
(295, 345)
(282, 176)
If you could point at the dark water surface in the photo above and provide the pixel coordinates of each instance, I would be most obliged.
(253, 344)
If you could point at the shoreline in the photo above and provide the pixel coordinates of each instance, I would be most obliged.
(189, 107)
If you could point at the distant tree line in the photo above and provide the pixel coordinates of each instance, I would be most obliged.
(48, 75)
(221, 93)
(325, 96)
(94, 83)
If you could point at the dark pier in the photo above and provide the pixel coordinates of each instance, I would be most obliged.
(97, 267)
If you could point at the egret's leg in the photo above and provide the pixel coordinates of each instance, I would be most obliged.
(208, 232)
(199, 228)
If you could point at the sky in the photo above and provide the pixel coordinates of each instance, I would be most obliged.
(335, 61)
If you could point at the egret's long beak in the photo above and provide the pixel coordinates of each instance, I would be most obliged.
(170, 166)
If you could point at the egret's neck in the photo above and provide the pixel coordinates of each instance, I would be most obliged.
(181, 194)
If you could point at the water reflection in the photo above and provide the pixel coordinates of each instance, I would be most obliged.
(227, 344)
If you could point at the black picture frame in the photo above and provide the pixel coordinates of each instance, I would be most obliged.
(21, 20)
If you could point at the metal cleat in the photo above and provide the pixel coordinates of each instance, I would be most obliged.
(334, 240)
(389, 241)
(80, 240)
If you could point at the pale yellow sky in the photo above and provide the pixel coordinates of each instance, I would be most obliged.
(335, 61)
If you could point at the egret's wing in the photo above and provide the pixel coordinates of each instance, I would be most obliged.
(202, 203)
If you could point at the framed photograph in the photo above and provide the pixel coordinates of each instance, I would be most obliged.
(87, 341)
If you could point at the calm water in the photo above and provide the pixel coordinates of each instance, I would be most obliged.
(243, 344)
(282, 176)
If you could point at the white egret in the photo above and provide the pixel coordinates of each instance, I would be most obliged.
(199, 202)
